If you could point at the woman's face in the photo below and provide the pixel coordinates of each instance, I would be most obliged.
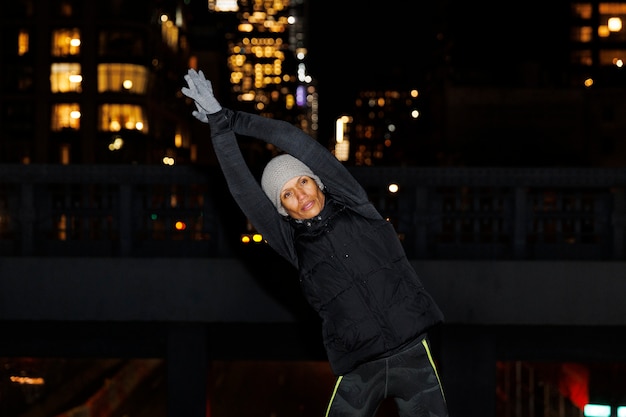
(302, 198)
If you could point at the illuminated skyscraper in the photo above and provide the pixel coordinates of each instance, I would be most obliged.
(267, 60)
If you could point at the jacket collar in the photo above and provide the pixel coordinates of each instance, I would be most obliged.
(330, 209)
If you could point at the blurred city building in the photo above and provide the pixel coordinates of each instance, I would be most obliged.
(93, 83)
(109, 92)
(99, 83)
(542, 86)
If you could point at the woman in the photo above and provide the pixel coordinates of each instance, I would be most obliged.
(353, 269)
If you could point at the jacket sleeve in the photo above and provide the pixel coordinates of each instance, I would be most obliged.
(289, 138)
(245, 188)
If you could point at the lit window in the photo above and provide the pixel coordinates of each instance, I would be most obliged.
(65, 42)
(614, 24)
(597, 410)
(582, 34)
(65, 116)
(65, 77)
(115, 117)
(122, 77)
(223, 5)
(582, 10)
(23, 40)
(611, 17)
(612, 8)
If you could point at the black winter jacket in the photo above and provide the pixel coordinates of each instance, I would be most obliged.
(353, 269)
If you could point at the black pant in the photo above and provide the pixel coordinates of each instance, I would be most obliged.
(409, 377)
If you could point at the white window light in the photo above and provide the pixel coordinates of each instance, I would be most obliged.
(597, 410)
(614, 24)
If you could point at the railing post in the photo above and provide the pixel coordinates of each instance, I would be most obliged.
(618, 218)
(421, 223)
(27, 219)
(520, 211)
(125, 210)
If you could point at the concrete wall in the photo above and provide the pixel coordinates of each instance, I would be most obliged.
(191, 311)
(226, 290)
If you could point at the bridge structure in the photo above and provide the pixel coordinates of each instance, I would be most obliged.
(527, 264)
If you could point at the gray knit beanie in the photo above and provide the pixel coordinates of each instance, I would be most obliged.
(278, 171)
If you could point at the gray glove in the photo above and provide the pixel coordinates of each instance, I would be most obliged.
(201, 91)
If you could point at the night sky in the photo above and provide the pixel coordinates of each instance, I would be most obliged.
(360, 45)
(355, 45)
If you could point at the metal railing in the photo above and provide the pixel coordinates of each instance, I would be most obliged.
(439, 213)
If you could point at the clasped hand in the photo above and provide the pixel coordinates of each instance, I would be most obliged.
(200, 90)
